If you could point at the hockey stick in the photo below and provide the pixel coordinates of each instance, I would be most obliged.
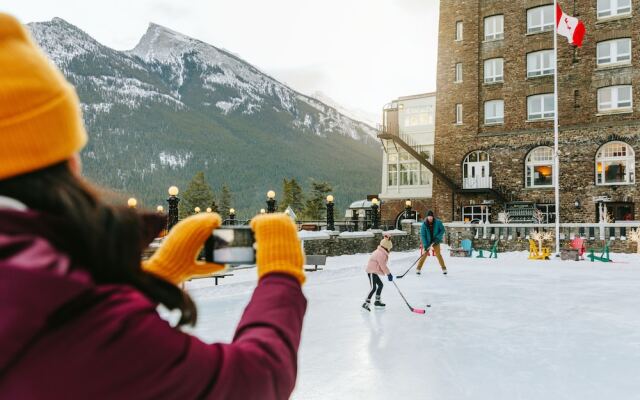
(407, 271)
(415, 310)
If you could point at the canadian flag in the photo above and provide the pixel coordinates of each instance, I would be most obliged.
(570, 27)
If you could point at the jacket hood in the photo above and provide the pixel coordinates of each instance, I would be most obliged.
(38, 279)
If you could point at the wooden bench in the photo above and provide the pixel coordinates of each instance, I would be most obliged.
(315, 260)
(215, 277)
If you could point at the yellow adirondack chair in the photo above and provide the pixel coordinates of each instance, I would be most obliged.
(535, 254)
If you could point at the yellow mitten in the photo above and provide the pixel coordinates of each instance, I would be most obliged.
(175, 260)
(278, 247)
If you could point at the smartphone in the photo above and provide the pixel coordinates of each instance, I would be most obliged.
(233, 245)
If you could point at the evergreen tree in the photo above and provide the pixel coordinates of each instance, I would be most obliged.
(286, 195)
(226, 201)
(198, 194)
(315, 206)
(292, 196)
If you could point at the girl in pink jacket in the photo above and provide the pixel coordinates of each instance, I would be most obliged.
(377, 265)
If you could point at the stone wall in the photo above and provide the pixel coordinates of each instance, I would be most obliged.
(338, 246)
(582, 128)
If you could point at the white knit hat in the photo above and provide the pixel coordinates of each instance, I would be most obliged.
(386, 243)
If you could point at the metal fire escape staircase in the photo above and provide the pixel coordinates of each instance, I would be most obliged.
(408, 144)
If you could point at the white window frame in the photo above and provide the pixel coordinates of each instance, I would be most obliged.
(612, 153)
(405, 171)
(541, 156)
(615, 104)
(459, 117)
(458, 73)
(495, 25)
(392, 168)
(544, 26)
(540, 57)
(614, 9)
(490, 67)
(497, 107)
(459, 31)
(544, 114)
(614, 58)
(479, 212)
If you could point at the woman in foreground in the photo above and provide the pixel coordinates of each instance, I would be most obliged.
(78, 312)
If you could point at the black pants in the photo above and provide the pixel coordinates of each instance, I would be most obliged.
(376, 285)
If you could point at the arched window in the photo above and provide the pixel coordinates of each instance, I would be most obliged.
(615, 164)
(539, 167)
(475, 171)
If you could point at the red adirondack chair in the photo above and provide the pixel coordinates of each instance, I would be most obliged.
(578, 243)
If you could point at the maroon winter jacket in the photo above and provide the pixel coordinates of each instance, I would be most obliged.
(64, 337)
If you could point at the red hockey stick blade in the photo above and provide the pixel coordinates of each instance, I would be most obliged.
(418, 310)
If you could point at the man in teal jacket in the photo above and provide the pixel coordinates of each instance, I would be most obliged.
(431, 234)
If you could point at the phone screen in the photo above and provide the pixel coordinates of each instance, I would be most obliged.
(231, 245)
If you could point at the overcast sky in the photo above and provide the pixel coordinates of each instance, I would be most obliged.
(361, 53)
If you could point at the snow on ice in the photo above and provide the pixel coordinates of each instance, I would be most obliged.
(497, 329)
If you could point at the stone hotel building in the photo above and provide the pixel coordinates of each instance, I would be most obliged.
(495, 107)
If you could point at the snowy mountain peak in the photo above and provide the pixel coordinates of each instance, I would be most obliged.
(161, 43)
(63, 41)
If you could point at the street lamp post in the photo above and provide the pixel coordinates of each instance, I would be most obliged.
(160, 209)
(132, 202)
(173, 200)
(354, 219)
(232, 216)
(196, 210)
(330, 220)
(407, 209)
(374, 210)
(271, 201)
(263, 211)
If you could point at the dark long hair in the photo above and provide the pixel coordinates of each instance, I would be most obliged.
(106, 240)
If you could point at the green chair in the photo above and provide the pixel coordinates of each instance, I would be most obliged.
(492, 253)
(604, 254)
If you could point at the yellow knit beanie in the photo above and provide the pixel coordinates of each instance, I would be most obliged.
(40, 120)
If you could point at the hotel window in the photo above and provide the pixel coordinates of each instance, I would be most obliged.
(540, 106)
(479, 213)
(458, 73)
(493, 70)
(459, 114)
(458, 31)
(404, 170)
(494, 112)
(392, 168)
(494, 27)
(616, 51)
(615, 98)
(612, 8)
(615, 164)
(418, 116)
(540, 63)
(539, 167)
(540, 19)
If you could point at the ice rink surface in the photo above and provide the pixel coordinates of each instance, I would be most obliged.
(497, 329)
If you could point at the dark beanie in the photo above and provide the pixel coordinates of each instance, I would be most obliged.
(430, 213)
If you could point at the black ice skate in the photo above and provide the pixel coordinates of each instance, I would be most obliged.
(418, 272)
(444, 271)
(378, 303)
(366, 306)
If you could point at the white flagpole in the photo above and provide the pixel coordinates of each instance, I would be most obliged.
(556, 155)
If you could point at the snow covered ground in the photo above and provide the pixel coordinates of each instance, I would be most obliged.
(505, 329)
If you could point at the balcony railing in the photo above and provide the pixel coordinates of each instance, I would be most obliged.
(478, 183)
(568, 231)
